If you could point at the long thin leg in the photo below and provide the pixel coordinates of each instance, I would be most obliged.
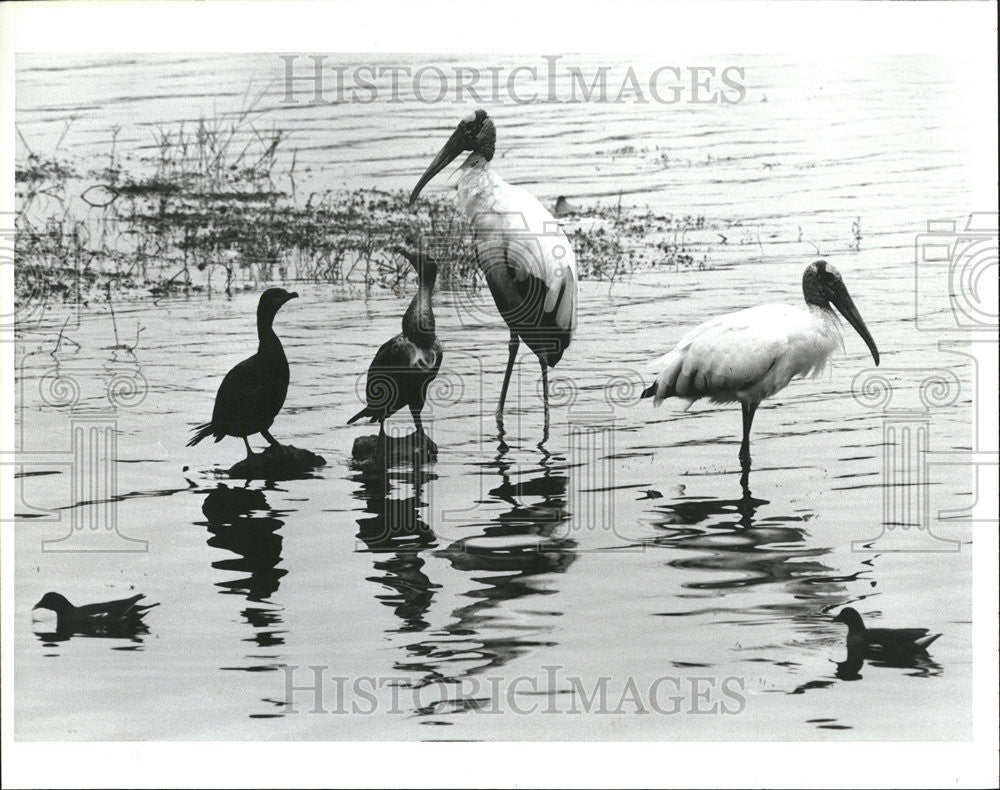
(270, 438)
(512, 346)
(545, 395)
(749, 409)
(421, 434)
(247, 443)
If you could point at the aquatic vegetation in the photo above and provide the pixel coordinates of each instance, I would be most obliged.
(208, 207)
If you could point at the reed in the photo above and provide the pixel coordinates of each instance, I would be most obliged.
(209, 212)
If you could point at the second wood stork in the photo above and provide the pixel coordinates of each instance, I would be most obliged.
(751, 354)
(525, 257)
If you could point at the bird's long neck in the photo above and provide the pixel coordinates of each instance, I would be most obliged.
(268, 344)
(477, 181)
(418, 320)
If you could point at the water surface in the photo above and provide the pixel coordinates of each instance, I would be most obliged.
(492, 593)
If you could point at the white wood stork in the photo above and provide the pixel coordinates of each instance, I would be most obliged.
(525, 257)
(751, 354)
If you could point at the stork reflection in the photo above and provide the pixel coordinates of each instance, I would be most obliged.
(514, 554)
(730, 538)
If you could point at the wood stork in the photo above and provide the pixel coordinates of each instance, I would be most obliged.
(525, 257)
(405, 366)
(253, 392)
(751, 354)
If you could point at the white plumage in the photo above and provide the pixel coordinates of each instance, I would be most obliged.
(510, 224)
(751, 354)
(525, 257)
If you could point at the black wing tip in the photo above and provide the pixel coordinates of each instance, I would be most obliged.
(649, 392)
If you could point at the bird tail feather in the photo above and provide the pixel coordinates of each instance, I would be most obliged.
(664, 385)
(926, 641)
(201, 432)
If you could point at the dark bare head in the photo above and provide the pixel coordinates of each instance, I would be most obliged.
(474, 133)
(423, 264)
(851, 619)
(822, 286)
(54, 601)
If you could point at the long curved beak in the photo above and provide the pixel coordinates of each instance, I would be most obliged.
(444, 157)
(842, 301)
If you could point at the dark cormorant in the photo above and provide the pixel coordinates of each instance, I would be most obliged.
(405, 366)
(252, 393)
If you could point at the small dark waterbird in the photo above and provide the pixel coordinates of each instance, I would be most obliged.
(525, 257)
(404, 367)
(253, 392)
(889, 640)
(108, 614)
(751, 354)
(564, 208)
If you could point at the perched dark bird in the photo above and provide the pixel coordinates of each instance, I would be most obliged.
(109, 614)
(890, 640)
(253, 392)
(405, 366)
(525, 257)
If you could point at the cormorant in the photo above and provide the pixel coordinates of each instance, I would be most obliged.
(252, 393)
(405, 366)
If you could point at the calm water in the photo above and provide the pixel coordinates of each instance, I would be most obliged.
(494, 593)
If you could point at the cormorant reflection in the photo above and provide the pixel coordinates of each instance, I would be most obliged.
(394, 530)
(233, 517)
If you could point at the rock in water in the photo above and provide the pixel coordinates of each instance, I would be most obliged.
(369, 453)
(277, 463)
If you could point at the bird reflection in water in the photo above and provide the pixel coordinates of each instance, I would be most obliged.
(131, 630)
(392, 529)
(514, 556)
(241, 521)
(850, 668)
(741, 549)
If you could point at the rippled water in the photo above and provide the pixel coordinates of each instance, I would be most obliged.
(493, 593)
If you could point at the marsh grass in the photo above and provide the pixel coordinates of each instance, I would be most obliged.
(212, 210)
